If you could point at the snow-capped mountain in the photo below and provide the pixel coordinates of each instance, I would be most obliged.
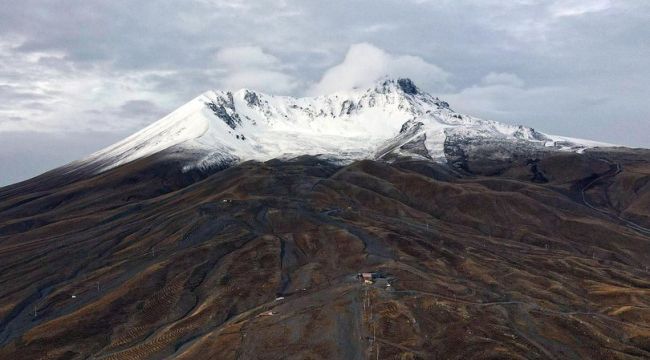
(392, 118)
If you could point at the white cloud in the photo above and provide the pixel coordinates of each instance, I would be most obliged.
(245, 56)
(553, 109)
(272, 82)
(44, 92)
(504, 97)
(567, 8)
(539, 22)
(508, 79)
(251, 67)
(499, 101)
(376, 28)
(365, 63)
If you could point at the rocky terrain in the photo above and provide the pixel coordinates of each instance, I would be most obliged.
(520, 257)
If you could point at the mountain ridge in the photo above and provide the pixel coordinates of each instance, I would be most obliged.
(218, 128)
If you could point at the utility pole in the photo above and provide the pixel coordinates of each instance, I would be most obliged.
(374, 333)
(377, 350)
(367, 299)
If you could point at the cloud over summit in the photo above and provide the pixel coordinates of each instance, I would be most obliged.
(365, 63)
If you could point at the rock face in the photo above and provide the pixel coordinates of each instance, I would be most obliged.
(488, 256)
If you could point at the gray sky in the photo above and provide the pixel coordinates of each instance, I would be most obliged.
(78, 75)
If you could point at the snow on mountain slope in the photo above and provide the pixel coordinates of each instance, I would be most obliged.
(393, 117)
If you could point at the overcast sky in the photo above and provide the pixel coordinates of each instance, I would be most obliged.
(78, 75)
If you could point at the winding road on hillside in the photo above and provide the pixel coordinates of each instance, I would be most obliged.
(615, 169)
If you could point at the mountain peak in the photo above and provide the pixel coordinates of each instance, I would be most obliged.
(389, 84)
(408, 86)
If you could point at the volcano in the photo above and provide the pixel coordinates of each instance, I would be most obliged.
(373, 223)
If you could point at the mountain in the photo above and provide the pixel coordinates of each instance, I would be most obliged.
(228, 230)
(394, 117)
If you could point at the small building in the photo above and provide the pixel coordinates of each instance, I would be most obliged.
(366, 277)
